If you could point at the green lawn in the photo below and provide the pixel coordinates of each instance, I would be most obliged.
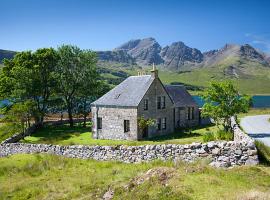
(64, 135)
(53, 177)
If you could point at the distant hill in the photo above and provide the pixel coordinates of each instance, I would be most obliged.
(6, 54)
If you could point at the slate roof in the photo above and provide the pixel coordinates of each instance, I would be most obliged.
(128, 93)
(180, 96)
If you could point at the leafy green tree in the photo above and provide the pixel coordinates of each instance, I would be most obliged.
(16, 117)
(222, 101)
(86, 97)
(76, 75)
(30, 76)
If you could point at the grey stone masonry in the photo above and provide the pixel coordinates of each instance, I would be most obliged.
(113, 123)
(220, 154)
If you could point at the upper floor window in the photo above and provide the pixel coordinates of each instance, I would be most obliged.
(163, 104)
(145, 104)
(126, 126)
(99, 123)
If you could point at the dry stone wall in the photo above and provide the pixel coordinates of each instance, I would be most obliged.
(242, 151)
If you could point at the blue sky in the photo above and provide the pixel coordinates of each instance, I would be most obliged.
(105, 24)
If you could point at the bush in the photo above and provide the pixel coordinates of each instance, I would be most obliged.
(219, 135)
(223, 135)
(208, 136)
(263, 152)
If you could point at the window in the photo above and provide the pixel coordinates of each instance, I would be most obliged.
(163, 123)
(163, 102)
(190, 113)
(126, 126)
(99, 123)
(158, 102)
(159, 124)
(145, 104)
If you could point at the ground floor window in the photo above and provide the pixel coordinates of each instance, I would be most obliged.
(190, 113)
(163, 123)
(99, 123)
(159, 124)
(126, 126)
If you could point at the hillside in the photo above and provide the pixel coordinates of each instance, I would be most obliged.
(6, 54)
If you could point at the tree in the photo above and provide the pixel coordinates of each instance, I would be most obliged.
(16, 117)
(76, 75)
(222, 101)
(30, 77)
(144, 123)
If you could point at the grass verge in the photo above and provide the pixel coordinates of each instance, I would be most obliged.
(263, 152)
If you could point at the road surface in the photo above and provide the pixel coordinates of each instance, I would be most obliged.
(258, 127)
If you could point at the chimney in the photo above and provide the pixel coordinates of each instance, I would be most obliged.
(154, 72)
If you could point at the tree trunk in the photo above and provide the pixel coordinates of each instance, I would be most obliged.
(70, 116)
(84, 120)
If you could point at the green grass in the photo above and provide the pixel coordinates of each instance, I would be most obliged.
(53, 177)
(261, 111)
(64, 135)
(263, 152)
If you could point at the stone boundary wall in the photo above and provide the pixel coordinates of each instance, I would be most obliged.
(238, 134)
(219, 153)
(18, 136)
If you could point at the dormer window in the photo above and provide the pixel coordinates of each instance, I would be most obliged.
(145, 104)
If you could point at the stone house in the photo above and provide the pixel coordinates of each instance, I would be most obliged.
(115, 115)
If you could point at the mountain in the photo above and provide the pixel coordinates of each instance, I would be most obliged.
(180, 57)
(115, 56)
(6, 54)
(178, 54)
(144, 51)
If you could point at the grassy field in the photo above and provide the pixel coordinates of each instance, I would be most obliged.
(52, 177)
(64, 135)
(262, 111)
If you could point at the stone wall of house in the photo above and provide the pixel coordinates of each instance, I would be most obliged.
(219, 154)
(113, 123)
(155, 90)
(181, 117)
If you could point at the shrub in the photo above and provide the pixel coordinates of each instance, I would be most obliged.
(263, 152)
(208, 136)
(223, 135)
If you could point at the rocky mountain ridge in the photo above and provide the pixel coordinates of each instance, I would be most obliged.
(179, 56)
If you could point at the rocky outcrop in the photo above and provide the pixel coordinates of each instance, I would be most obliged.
(145, 51)
(178, 54)
(115, 56)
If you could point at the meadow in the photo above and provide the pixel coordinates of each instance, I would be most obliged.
(53, 177)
